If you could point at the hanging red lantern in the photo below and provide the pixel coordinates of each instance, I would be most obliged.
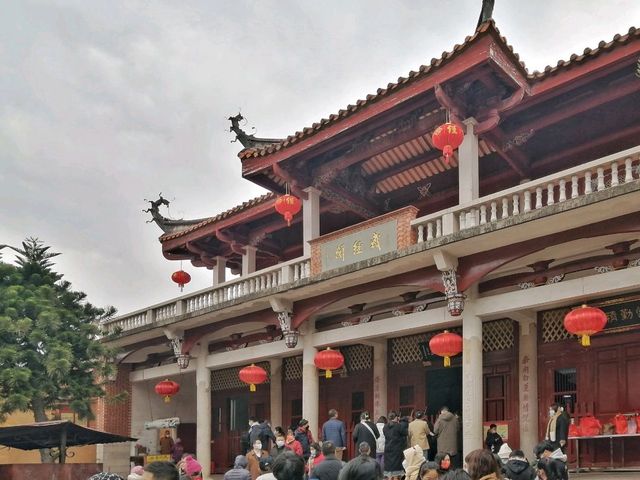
(287, 206)
(167, 388)
(447, 137)
(181, 278)
(253, 375)
(328, 360)
(585, 321)
(447, 345)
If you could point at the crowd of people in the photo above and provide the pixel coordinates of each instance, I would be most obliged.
(392, 448)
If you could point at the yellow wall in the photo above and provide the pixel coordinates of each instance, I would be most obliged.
(13, 455)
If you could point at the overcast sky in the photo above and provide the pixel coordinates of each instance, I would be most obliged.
(106, 103)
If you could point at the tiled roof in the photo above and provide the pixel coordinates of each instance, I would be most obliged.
(221, 216)
(587, 54)
(426, 70)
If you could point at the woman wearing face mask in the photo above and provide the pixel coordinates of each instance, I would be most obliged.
(443, 464)
(279, 447)
(253, 458)
(315, 457)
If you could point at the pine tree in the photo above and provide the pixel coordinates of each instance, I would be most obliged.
(50, 348)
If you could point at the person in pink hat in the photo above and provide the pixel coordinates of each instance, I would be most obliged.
(136, 473)
(192, 468)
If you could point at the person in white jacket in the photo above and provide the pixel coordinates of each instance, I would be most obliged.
(382, 421)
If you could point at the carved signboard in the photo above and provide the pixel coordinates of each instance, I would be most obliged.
(362, 245)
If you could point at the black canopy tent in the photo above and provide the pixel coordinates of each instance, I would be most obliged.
(56, 434)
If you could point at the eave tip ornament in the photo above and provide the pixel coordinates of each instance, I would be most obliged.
(447, 137)
(288, 205)
(181, 278)
(585, 321)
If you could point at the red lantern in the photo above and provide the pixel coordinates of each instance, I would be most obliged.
(287, 206)
(328, 360)
(585, 321)
(167, 388)
(252, 375)
(447, 137)
(181, 278)
(447, 345)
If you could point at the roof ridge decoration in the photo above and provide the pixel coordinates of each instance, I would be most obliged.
(425, 70)
(196, 224)
(167, 225)
(248, 141)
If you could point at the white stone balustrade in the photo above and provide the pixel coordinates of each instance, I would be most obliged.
(580, 181)
(272, 277)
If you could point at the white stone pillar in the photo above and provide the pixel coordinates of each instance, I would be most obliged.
(310, 380)
(379, 379)
(203, 412)
(219, 271)
(528, 382)
(249, 260)
(472, 383)
(310, 218)
(275, 391)
(468, 176)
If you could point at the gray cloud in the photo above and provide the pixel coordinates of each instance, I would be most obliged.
(104, 103)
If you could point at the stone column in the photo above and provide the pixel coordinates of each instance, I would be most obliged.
(468, 177)
(379, 379)
(275, 391)
(203, 412)
(472, 382)
(219, 271)
(310, 218)
(249, 260)
(528, 382)
(310, 380)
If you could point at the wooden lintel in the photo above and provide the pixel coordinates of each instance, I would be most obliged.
(514, 157)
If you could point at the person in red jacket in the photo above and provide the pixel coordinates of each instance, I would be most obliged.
(294, 445)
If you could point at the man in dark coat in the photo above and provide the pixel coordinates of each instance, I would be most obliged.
(395, 441)
(558, 427)
(335, 432)
(518, 468)
(363, 467)
(329, 468)
(366, 431)
(493, 440)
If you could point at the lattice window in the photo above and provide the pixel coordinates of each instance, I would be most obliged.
(357, 357)
(407, 349)
(553, 325)
(229, 378)
(497, 335)
(292, 368)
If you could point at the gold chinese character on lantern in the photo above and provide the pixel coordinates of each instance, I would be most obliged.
(357, 247)
(340, 252)
(375, 240)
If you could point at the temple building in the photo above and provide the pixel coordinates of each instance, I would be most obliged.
(537, 212)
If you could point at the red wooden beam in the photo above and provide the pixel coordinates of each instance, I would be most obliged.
(590, 102)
